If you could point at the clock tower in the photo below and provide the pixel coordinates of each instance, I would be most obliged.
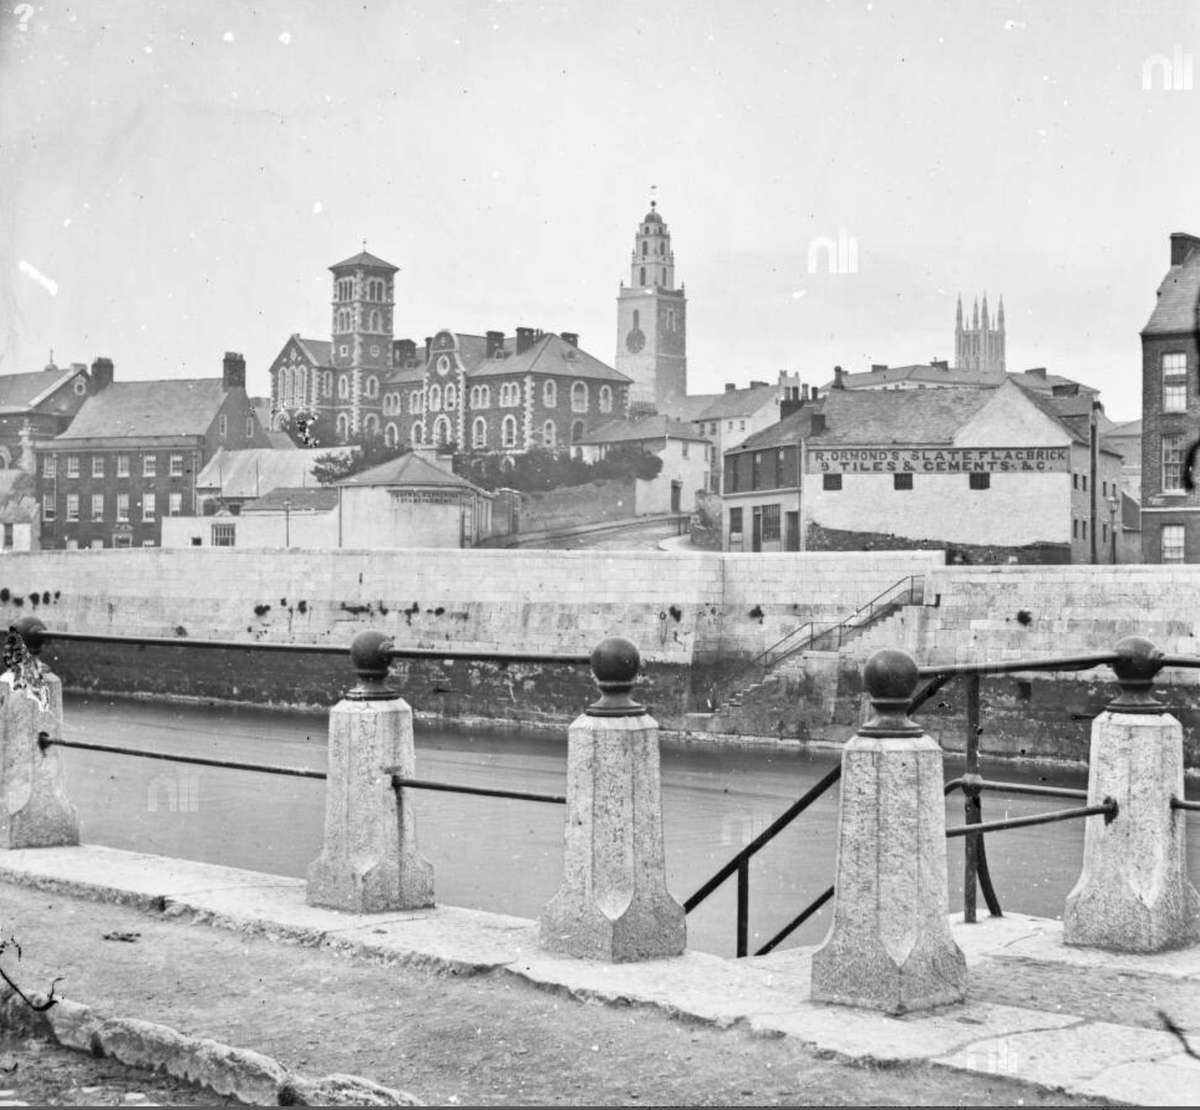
(652, 321)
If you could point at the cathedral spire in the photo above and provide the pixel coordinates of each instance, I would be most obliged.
(958, 315)
(1000, 314)
(984, 319)
(975, 318)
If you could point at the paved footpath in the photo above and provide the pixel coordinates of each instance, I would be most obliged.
(122, 929)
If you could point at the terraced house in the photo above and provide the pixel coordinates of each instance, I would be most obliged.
(132, 454)
(481, 392)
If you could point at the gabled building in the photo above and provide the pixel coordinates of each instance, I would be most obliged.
(733, 416)
(45, 401)
(231, 479)
(132, 454)
(478, 392)
(1171, 411)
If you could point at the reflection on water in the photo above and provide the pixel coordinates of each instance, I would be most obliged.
(506, 856)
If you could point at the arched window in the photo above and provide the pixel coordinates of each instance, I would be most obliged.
(343, 388)
(418, 432)
(376, 320)
(451, 396)
(343, 425)
(375, 290)
(643, 282)
(479, 432)
(285, 386)
(328, 383)
(343, 319)
(485, 397)
(549, 394)
(441, 431)
(391, 435)
(576, 431)
(300, 384)
(637, 318)
(605, 398)
(435, 398)
(579, 397)
(508, 432)
(371, 424)
(548, 436)
(372, 386)
(644, 246)
(414, 401)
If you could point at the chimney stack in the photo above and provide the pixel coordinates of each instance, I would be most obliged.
(233, 374)
(838, 376)
(877, 366)
(495, 343)
(102, 374)
(525, 339)
(428, 346)
(939, 364)
(571, 337)
(404, 352)
(730, 387)
(1182, 245)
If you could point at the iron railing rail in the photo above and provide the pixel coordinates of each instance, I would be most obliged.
(197, 760)
(399, 781)
(1108, 808)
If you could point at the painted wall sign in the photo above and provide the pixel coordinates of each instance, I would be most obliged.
(929, 460)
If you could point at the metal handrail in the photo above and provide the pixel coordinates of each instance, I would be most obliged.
(399, 782)
(45, 741)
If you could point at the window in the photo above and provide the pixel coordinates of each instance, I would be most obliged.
(435, 398)
(670, 319)
(441, 431)
(831, 481)
(508, 432)
(1083, 529)
(481, 397)
(1083, 482)
(443, 364)
(1103, 489)
(1104, 533)
(122, 466)
(222, 425)
(343, 387)
(756, 471)
(47, 507)
(902, 481)
(579, 397)
(8, 535)
(391, 435)
(376, 324)
(372, 386)
(72, 466)
(510, 394)
(1075, 481)
(770, 522)
(371, 424)
(97, 506)
(712, 428)
(149, 506)
(176, 466)
(1172, 463)
(123, 507)
(343, 425)
(637, 318)
(576, 431)
(49, 467)
(72, 507)
(414, 401)
(1074, 529)
(451, 396)
(643, 281)
(343, 349)
(684, 448)
(1174, 371)
(605, 398)
(418, 433)
(549, 394)
(979, 481)
(327, 383)
(548, 435)
(97, 466)
(122, 539)
(222, 535)
(149, 466)
(735, 521)
(1172, 543)
(479, 432)
(249, 427)
(731, 473)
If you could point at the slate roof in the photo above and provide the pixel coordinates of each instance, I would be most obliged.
(690, 407)
(20, 392)
(927, 416)
(550, 354)
(319, 351)
(789, 430)
(161, 408)
(956, 376)
(255, 471)
(364, 259)
(408, 470)
(739, 402)
(296, 499)
(1178, 306)
(1126, 428)
(637, 431)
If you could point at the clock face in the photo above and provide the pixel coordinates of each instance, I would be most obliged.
(635, 340)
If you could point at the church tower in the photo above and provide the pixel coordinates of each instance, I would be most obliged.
(981, 346)
(652, 321)
(363, 305)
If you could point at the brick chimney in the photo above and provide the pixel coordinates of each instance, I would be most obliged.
(939, 364)
(102, 374)
(525, 339)
(404, 351)
(838, 378)
(1182, 244)
(877, 366)
(1037, 372)
(233, 375)
(730, 387)
(571, 337)
(495, 343)
(428, 346)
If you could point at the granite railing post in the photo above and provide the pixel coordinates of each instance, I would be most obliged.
(370, 862)
(889, 946)
(1133, 894)
(34, 809)
(613, 903)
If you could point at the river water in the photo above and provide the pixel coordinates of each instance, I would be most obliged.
(506, 856)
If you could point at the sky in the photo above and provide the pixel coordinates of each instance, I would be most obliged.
(176, 178)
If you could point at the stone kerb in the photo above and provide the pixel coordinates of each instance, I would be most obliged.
(34, 809)
(889, 946)
(370, 862)
(1133, 894)
(613, 903)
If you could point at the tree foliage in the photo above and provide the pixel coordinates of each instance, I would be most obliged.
(540, 470)
(333, 466)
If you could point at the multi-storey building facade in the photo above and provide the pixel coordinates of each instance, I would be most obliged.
(479, 392)
(45, 402)
(1171, 411)
(132, 454)
(652, 321)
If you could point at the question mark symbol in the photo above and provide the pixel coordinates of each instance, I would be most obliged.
(25, 12)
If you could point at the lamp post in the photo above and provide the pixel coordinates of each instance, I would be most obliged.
(1113, 505)
(287, 524)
